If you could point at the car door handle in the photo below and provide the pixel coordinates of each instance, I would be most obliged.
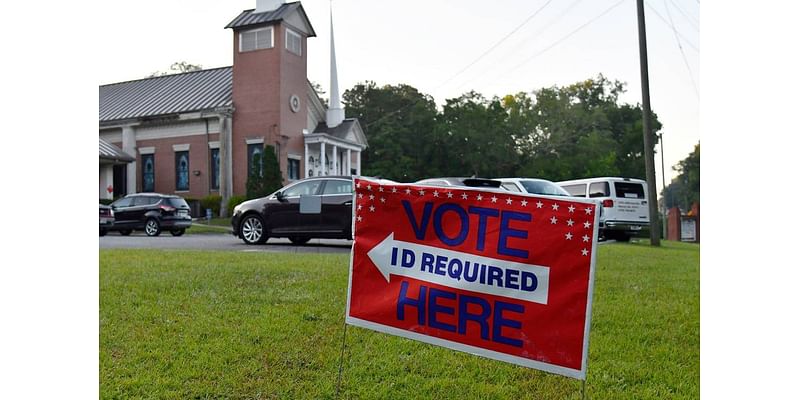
(348, 203)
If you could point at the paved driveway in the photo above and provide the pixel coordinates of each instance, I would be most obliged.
(213, 241)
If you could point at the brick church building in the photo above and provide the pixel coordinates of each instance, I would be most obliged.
(197, 133)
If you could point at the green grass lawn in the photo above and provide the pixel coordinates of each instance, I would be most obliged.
(203, 324)
(217, 225)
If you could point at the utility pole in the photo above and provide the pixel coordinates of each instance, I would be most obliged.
(663, 184)
(649, 162)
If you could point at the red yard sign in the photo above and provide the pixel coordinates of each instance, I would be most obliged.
(498, 274)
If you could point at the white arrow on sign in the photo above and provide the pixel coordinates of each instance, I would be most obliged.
(381, 256)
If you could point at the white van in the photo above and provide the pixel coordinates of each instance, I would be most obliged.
(625, 210)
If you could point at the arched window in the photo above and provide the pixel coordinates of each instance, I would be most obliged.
(148, 173)
(181, 170)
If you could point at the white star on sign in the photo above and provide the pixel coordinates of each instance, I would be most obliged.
(588, 210)
(361, 195)
(369, 187)
(372, 197)
(479, 198)
(524, 203)
(568, 236)
(585, 252)
(435, 193)
(539, 204)
(394, 190)
(383, 200)
(408, 191)
(371, 208)
(359, 207)
(422, 193)
(359, 218)
(464, 196)
(586, 224)
(555, 207)
(571, 208)
(380, 188)
(570, 222)
(553, 220)
(509, 201)
(358, 185)
(585, 238)
(494, 199)
(449, 195)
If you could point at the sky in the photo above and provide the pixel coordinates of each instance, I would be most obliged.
(443, 48)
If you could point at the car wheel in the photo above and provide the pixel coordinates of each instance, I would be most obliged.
(125, 232)
(152, 227)
(252, 230)
(177, 232)
(298, 240)
(103, 232)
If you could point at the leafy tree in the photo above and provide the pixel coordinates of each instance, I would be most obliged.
(265, 174)
(557, 133)
(581, 130)
(398, 122)
(685, 188)
(177, 68)
(473, 138)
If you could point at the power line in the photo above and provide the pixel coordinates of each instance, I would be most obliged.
(677, 39)
(559, 41)
(530, 17)
(667, 23)
(690, 19)
(534, 36)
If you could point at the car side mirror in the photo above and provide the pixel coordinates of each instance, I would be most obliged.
(280, 196)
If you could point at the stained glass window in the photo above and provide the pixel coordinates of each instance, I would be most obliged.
(148, 173)
(215, 169)
(181, 170)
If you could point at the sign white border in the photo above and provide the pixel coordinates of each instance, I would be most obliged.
(525, 362)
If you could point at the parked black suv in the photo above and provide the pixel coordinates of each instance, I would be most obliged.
(151, 212)
(326, 213)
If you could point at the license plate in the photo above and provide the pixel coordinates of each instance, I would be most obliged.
(636, 228)
(183, 213)
(105, 221)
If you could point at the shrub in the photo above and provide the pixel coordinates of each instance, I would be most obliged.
(265, 174)
(213, 202)
(234, 201)
(106, 201)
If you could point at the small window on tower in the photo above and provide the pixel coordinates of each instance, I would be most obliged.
(294, 42)
(255, 39)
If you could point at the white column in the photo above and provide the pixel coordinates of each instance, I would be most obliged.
(322, 158)
(305, 160)
(335, 160)
(348, 162)
(129, 146)
(358, 162)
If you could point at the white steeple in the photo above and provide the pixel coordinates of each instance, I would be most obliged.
(335, 113)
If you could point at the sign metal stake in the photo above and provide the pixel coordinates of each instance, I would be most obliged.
(341, 361)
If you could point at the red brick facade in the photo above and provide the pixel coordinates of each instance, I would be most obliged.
(263, 82)
(164, 159)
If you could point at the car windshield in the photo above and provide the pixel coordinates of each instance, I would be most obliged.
(543, 187)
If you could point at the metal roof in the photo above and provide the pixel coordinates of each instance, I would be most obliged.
(249, 17)
(169, 94)
(113, 153)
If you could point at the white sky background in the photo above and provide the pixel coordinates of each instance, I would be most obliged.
(425, 43)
